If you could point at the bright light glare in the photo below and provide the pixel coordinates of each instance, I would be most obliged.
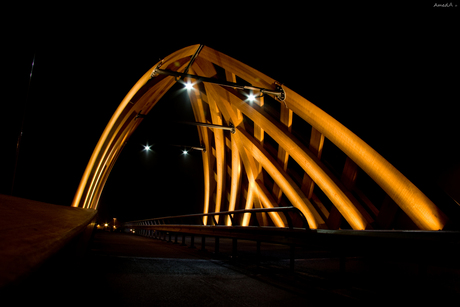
(147, 147)
(188, 86)
(251, 97)
(184, 151)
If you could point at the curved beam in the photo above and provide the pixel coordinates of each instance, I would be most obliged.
(408, 197)
(422, 211)
(217, 109)
(269, 202)
(244, 144)
(219, 142)
(147, 91)
(294, 149)
(290, 189)
(236, 164)
(248, 161)
(105, 140)
(198, 109)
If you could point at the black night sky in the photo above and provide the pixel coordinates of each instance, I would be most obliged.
(394, 84)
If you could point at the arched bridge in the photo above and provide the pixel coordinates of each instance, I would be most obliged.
(265, 177)
(270, 155)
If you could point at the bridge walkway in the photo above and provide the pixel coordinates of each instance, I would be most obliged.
(130, 270)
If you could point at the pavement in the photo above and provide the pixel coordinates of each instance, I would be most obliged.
(128, 270)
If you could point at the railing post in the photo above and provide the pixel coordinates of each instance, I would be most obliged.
(258, 252)
(342, 258)
(289, 220)
(342, 262)
(292, 257)
(159, 234)
(203, 242)
(234, 248)
(216, 245)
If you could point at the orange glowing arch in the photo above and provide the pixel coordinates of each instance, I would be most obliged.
(244, 156)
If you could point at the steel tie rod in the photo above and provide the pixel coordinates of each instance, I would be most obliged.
(230, 128)
(279, 94)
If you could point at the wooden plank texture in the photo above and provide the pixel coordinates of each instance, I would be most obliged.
(32, 231)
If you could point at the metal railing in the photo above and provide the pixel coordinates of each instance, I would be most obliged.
(292, 215)
(293, 235)
(423, 247)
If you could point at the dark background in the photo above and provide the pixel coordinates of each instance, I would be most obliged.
(391, 79)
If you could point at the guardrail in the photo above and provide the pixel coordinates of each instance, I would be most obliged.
(422, 247)
(292, 215)
(193, 224)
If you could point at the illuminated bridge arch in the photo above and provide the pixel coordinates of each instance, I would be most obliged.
(251, 166)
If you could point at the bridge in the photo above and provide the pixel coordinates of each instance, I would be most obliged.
(265, 177)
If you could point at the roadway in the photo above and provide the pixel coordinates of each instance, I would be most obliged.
(128, 270)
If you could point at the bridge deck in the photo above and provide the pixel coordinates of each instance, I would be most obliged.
(130, 270)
